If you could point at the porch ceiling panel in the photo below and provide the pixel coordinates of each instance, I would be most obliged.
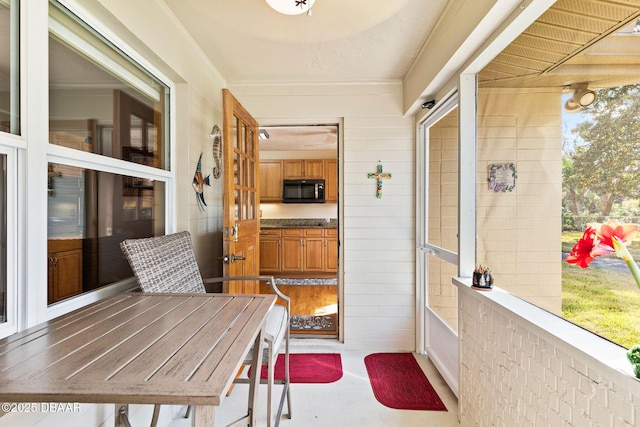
(569, 44)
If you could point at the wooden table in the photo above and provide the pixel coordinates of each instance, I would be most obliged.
(180, 349)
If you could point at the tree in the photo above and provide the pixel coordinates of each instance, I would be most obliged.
(608, 161)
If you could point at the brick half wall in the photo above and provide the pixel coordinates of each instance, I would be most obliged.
(523, 366)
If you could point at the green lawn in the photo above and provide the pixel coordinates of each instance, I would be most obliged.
(603, 301)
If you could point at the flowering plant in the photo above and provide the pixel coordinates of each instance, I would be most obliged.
(604, 239)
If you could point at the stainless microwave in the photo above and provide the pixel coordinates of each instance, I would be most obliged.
(303, 191)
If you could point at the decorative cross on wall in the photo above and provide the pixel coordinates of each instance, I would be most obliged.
(379, 176)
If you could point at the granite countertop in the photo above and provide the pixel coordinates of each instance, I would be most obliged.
(299, 223)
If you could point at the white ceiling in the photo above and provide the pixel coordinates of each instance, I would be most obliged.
(346, 41)
(343, 41)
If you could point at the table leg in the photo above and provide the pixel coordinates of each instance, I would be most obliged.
(256, 369)
(122, 416)
(204, 416)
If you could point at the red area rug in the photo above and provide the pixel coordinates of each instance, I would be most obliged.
(308, 368)
(398, 382)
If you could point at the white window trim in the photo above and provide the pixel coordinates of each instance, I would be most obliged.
(10, 326)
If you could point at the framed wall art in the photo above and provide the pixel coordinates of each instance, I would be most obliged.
(502, 177)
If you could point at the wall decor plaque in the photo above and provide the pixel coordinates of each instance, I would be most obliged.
(502, 177)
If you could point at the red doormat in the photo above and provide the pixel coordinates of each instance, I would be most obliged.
(308, 368)
(398, 382)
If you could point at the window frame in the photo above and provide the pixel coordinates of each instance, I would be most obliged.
(36, 152)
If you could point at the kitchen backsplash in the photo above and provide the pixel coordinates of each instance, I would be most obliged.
(298, 210)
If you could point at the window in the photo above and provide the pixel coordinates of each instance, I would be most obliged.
(9, 67)
(3, 238)
(101, 103)
(525, 126)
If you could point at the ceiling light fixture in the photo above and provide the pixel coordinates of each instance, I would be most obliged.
(582, 97)
(292, 7)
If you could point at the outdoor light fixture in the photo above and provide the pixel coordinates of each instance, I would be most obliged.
(263, 134)
(291, 7)
(582, 97)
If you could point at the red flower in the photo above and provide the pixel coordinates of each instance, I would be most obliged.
(581, 252)
(598, 240)
(606, 232)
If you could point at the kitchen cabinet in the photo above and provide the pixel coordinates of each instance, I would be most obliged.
(65, 269)
(303, 169)
(331, 180)
(313, 250)
(270, 251)
(271, 181)
(331, 250)
(292, 250)
(298, 250)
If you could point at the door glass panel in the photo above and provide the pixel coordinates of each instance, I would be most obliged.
(443, 296)
(243, 139)
(251, 181)
(245, 172)
(237, 198)
(252, 205)
(443, 183)
(236, 168)
(236, 144)
(250, 149)
(245, 205)
(442, 221)
(89, 214)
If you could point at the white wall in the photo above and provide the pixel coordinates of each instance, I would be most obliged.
(377, 235)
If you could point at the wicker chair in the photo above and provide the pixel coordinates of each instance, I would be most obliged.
(167, 264)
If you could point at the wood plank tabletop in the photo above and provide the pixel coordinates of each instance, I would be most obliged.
(182, 349)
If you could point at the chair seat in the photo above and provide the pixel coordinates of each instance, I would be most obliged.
(276, 327)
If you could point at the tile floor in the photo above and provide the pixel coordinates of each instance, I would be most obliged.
(348, 402)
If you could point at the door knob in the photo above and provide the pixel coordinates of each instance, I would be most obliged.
(233, 258)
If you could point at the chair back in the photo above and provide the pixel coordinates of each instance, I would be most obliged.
(164, 263)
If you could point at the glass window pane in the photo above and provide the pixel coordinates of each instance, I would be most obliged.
(89, 214)
(9, 67)
(3, 239)
(236, 204)
(94, 87)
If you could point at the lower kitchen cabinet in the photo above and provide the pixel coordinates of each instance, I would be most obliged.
(270, 251)
(298, 250)
(65, 269)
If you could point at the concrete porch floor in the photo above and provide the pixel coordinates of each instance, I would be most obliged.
(348, 402)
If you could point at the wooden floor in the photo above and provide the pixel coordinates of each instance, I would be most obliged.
(311, 300)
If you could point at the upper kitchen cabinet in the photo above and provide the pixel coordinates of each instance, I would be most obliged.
(331, 180)
(271, 181)
(303, 169)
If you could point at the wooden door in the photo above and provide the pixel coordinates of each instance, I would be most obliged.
(241, 195)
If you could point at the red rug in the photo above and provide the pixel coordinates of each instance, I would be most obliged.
(308, 368)
(398, 382)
